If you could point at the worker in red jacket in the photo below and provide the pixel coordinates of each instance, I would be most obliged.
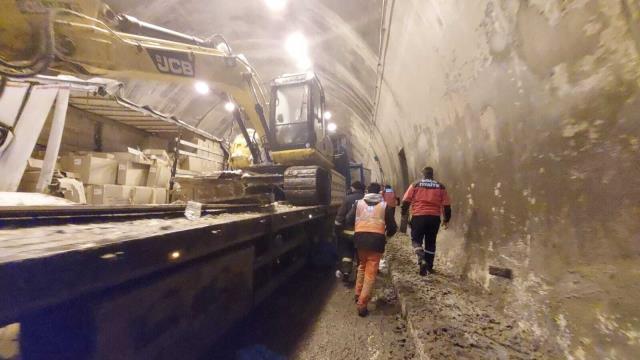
(429, 202)
(373, 220)
(389, 196)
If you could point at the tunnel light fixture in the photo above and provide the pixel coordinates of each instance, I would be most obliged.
(332, 127)
(276, 5)
(229, 106)
(223, 47)
(327, 115)
(297, 46)
(202, 87)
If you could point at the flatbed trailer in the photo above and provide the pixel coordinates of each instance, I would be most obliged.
(144, 282)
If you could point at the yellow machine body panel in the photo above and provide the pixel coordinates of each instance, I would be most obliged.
(301, 157)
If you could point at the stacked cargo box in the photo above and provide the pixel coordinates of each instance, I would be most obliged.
(199, 156)
(137, 177)
(125, 178)
(200, 162)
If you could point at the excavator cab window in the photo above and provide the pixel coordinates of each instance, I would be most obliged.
(317, 111)
(293, 113)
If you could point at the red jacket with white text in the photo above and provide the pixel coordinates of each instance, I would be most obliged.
(427, 197)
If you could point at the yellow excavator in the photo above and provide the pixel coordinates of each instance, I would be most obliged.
(87, 38)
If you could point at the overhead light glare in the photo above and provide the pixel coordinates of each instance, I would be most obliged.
(297, 45)
(202, 87)
(229, 106)
(332, 127)
(304, 63)
(223, 47)
(327, 115)
(276, 5)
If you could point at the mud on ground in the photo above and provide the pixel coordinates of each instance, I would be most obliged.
(451, 319)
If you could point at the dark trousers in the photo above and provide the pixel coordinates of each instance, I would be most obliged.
(394, 210)
(424, 230)
(346, 253)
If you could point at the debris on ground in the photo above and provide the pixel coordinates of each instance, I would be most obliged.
(449, 318)
(500, 271)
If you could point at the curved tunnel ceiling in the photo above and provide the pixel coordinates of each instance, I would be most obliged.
(344, 42)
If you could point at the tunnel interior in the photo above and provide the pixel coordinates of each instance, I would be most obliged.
(526, 109)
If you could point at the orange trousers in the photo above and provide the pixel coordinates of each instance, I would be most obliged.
(368, 262)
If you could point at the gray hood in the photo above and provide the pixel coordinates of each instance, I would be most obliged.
(372, 198)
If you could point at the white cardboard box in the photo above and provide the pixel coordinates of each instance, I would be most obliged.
(159, 196)
(142, 195)
(159, 175)
(132, 173)
(93, 170)
(108, 194)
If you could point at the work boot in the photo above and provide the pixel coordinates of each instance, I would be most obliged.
(424, 269)
(346, 278)
(362, 312)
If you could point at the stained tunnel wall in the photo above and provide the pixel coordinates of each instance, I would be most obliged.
(528, 110)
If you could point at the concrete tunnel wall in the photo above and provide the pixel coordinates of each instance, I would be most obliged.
(528, 111)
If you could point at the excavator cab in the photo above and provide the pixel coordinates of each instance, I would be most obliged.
(298, 140)
(297, 128)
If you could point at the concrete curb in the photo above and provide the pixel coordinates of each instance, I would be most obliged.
(447, 319)
(413, 332)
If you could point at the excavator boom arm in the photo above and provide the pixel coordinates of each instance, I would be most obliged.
(81, 44)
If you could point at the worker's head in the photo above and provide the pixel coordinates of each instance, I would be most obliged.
(387, 186)
(357, 186)
(374, 188)
(427, 172)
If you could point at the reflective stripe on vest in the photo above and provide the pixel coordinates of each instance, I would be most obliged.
(370, 218)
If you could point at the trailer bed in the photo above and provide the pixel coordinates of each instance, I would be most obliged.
(45, 267)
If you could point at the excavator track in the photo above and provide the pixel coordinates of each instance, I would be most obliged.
(313, 185)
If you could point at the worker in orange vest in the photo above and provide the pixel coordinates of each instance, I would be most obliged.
(373, 220)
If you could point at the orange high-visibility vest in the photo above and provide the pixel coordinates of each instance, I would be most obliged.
(389, 197)
(370, 218)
